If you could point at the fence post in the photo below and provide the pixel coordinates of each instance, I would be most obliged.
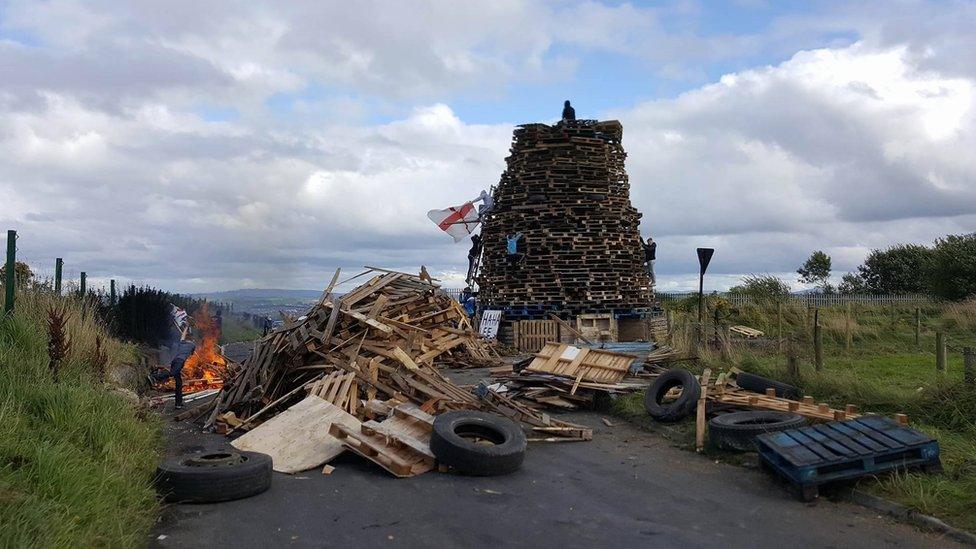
(716, 328)
(81, 286)
(847, 328)
(58, 269)
(111, 292)
(817, 341)
(918, 328)
(8, 306)
(940, 352)
(968, 365)
(792, 361)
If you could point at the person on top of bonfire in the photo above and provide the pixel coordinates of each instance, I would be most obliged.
(569, 113)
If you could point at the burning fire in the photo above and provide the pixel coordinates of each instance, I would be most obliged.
(206, 368)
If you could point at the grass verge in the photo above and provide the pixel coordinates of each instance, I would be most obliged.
(76, 459)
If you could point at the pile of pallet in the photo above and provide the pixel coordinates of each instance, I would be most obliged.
(565, 376)
(565, 191)
(382, 341)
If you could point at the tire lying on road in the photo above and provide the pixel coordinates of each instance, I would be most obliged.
(681, 407)
(759, 384)
(738, 430)
(212, 476)
(478, 443)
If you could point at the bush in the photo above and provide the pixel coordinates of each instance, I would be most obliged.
(951, 273)
(897, 270)
(763, 288)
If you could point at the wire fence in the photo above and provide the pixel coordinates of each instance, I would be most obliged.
(815, 300)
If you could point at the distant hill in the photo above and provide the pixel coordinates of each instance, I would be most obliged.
(260, 293)
(265, 301)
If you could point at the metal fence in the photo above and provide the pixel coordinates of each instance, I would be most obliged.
(815, 300)
(455, 293)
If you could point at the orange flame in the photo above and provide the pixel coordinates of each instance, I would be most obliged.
(206, 368)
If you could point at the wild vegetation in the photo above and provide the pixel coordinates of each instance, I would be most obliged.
(870, 359)
(76, 458)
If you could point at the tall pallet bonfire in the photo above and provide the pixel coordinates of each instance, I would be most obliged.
(565, 201)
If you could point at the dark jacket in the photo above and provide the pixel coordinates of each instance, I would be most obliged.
(569, 113)
(650, 251)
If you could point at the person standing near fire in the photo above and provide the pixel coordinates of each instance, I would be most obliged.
(182, 350)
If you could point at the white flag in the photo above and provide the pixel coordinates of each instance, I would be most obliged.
(179, 316)
(458, 221)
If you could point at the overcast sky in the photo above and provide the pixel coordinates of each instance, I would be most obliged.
(214, 145)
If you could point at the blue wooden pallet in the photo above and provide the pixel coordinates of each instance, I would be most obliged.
(842, 450)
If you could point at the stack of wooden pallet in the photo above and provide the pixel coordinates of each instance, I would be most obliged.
(383, 340)
(565, 191)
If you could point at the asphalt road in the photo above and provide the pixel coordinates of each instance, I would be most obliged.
(627, 487)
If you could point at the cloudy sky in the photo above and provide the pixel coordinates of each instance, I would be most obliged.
(214, 145)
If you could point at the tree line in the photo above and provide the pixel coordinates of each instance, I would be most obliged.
(946, 270)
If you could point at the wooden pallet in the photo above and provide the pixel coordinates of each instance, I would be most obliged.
(769, 401)
(532, 335)
(581, 364)
(339, 388)
(817, 454)
(598, 327)
(400, 444)
(745, 331)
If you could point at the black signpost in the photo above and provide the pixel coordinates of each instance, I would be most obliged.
(704, 256)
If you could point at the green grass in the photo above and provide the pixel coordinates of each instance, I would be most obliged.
(75, 459)
(881, 372)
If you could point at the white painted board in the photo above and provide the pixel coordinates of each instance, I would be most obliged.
(298, 439)
(489, 324)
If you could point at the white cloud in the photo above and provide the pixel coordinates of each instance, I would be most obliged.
(111, 162)
(773, 163)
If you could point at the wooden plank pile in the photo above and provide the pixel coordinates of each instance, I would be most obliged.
(565, 190)
(565, 376)
(383, 340)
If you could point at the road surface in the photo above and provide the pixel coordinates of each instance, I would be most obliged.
(626, 488)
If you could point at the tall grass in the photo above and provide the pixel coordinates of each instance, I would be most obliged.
(75, 459)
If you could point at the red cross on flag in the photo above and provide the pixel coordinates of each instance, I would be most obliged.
(179, 316)
(459, 221)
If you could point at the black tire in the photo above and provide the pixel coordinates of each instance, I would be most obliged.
(759, 384)
(683, 406)
(737, 431)
(450, 446)
(189, 479)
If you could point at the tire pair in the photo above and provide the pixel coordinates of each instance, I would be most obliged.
(474, 443)
(735, 431)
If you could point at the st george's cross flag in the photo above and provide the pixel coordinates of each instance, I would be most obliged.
(458, 221)
(179, 316)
